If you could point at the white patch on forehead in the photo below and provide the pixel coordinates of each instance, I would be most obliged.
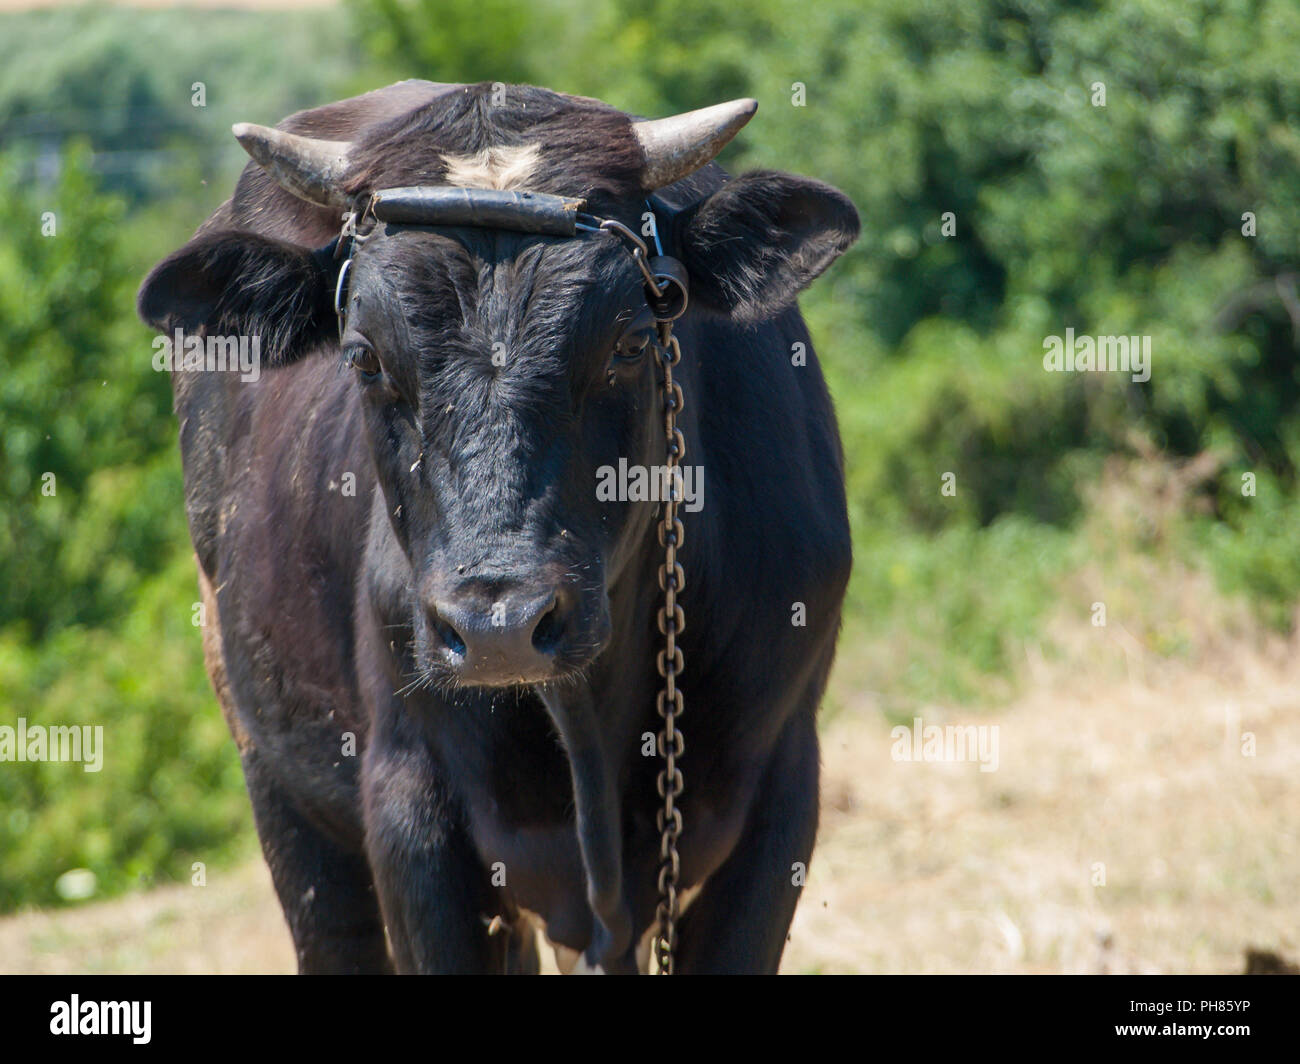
(498, 168)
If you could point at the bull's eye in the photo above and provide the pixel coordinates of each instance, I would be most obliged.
(636, 338)
(365, 362)
(632, 346)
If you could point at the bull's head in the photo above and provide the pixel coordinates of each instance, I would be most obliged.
(498, 371)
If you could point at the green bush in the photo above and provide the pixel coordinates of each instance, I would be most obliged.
(81, 404)
(169, 791)
(96, 578)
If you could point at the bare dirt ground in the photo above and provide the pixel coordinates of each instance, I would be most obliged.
(1124, 830)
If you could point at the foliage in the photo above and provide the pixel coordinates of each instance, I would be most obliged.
(169, 792)
(95, 578)
(125, 80)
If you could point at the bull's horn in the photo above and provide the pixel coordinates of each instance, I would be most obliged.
(680, 145)
(311, 169)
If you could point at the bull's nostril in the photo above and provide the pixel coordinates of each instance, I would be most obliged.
(548, 631)
(450, 637)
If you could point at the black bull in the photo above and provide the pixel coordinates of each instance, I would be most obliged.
(433, 642)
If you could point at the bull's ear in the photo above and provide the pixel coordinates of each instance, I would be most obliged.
(235, 283)
(761, 239)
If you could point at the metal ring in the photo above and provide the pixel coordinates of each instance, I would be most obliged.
(620, 229)
(338, 295)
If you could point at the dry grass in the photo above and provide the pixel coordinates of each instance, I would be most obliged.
(925, 867)
(943, 868)
(232, 926)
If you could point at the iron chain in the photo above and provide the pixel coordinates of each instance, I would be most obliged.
(672, 621)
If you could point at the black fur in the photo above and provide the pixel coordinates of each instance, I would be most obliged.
(475, 486)
(244, 284)
(762, 238)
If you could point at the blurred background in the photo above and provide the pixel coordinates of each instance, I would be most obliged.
(1122, 167)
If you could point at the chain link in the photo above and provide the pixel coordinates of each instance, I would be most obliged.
(672, 622)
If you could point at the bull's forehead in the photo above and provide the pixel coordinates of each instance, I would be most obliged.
(474, 263)
(519, 137)
(467, 294)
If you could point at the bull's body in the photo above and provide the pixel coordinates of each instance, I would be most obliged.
(458, 804)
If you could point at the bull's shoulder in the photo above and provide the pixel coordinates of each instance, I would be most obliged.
(769, 464)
